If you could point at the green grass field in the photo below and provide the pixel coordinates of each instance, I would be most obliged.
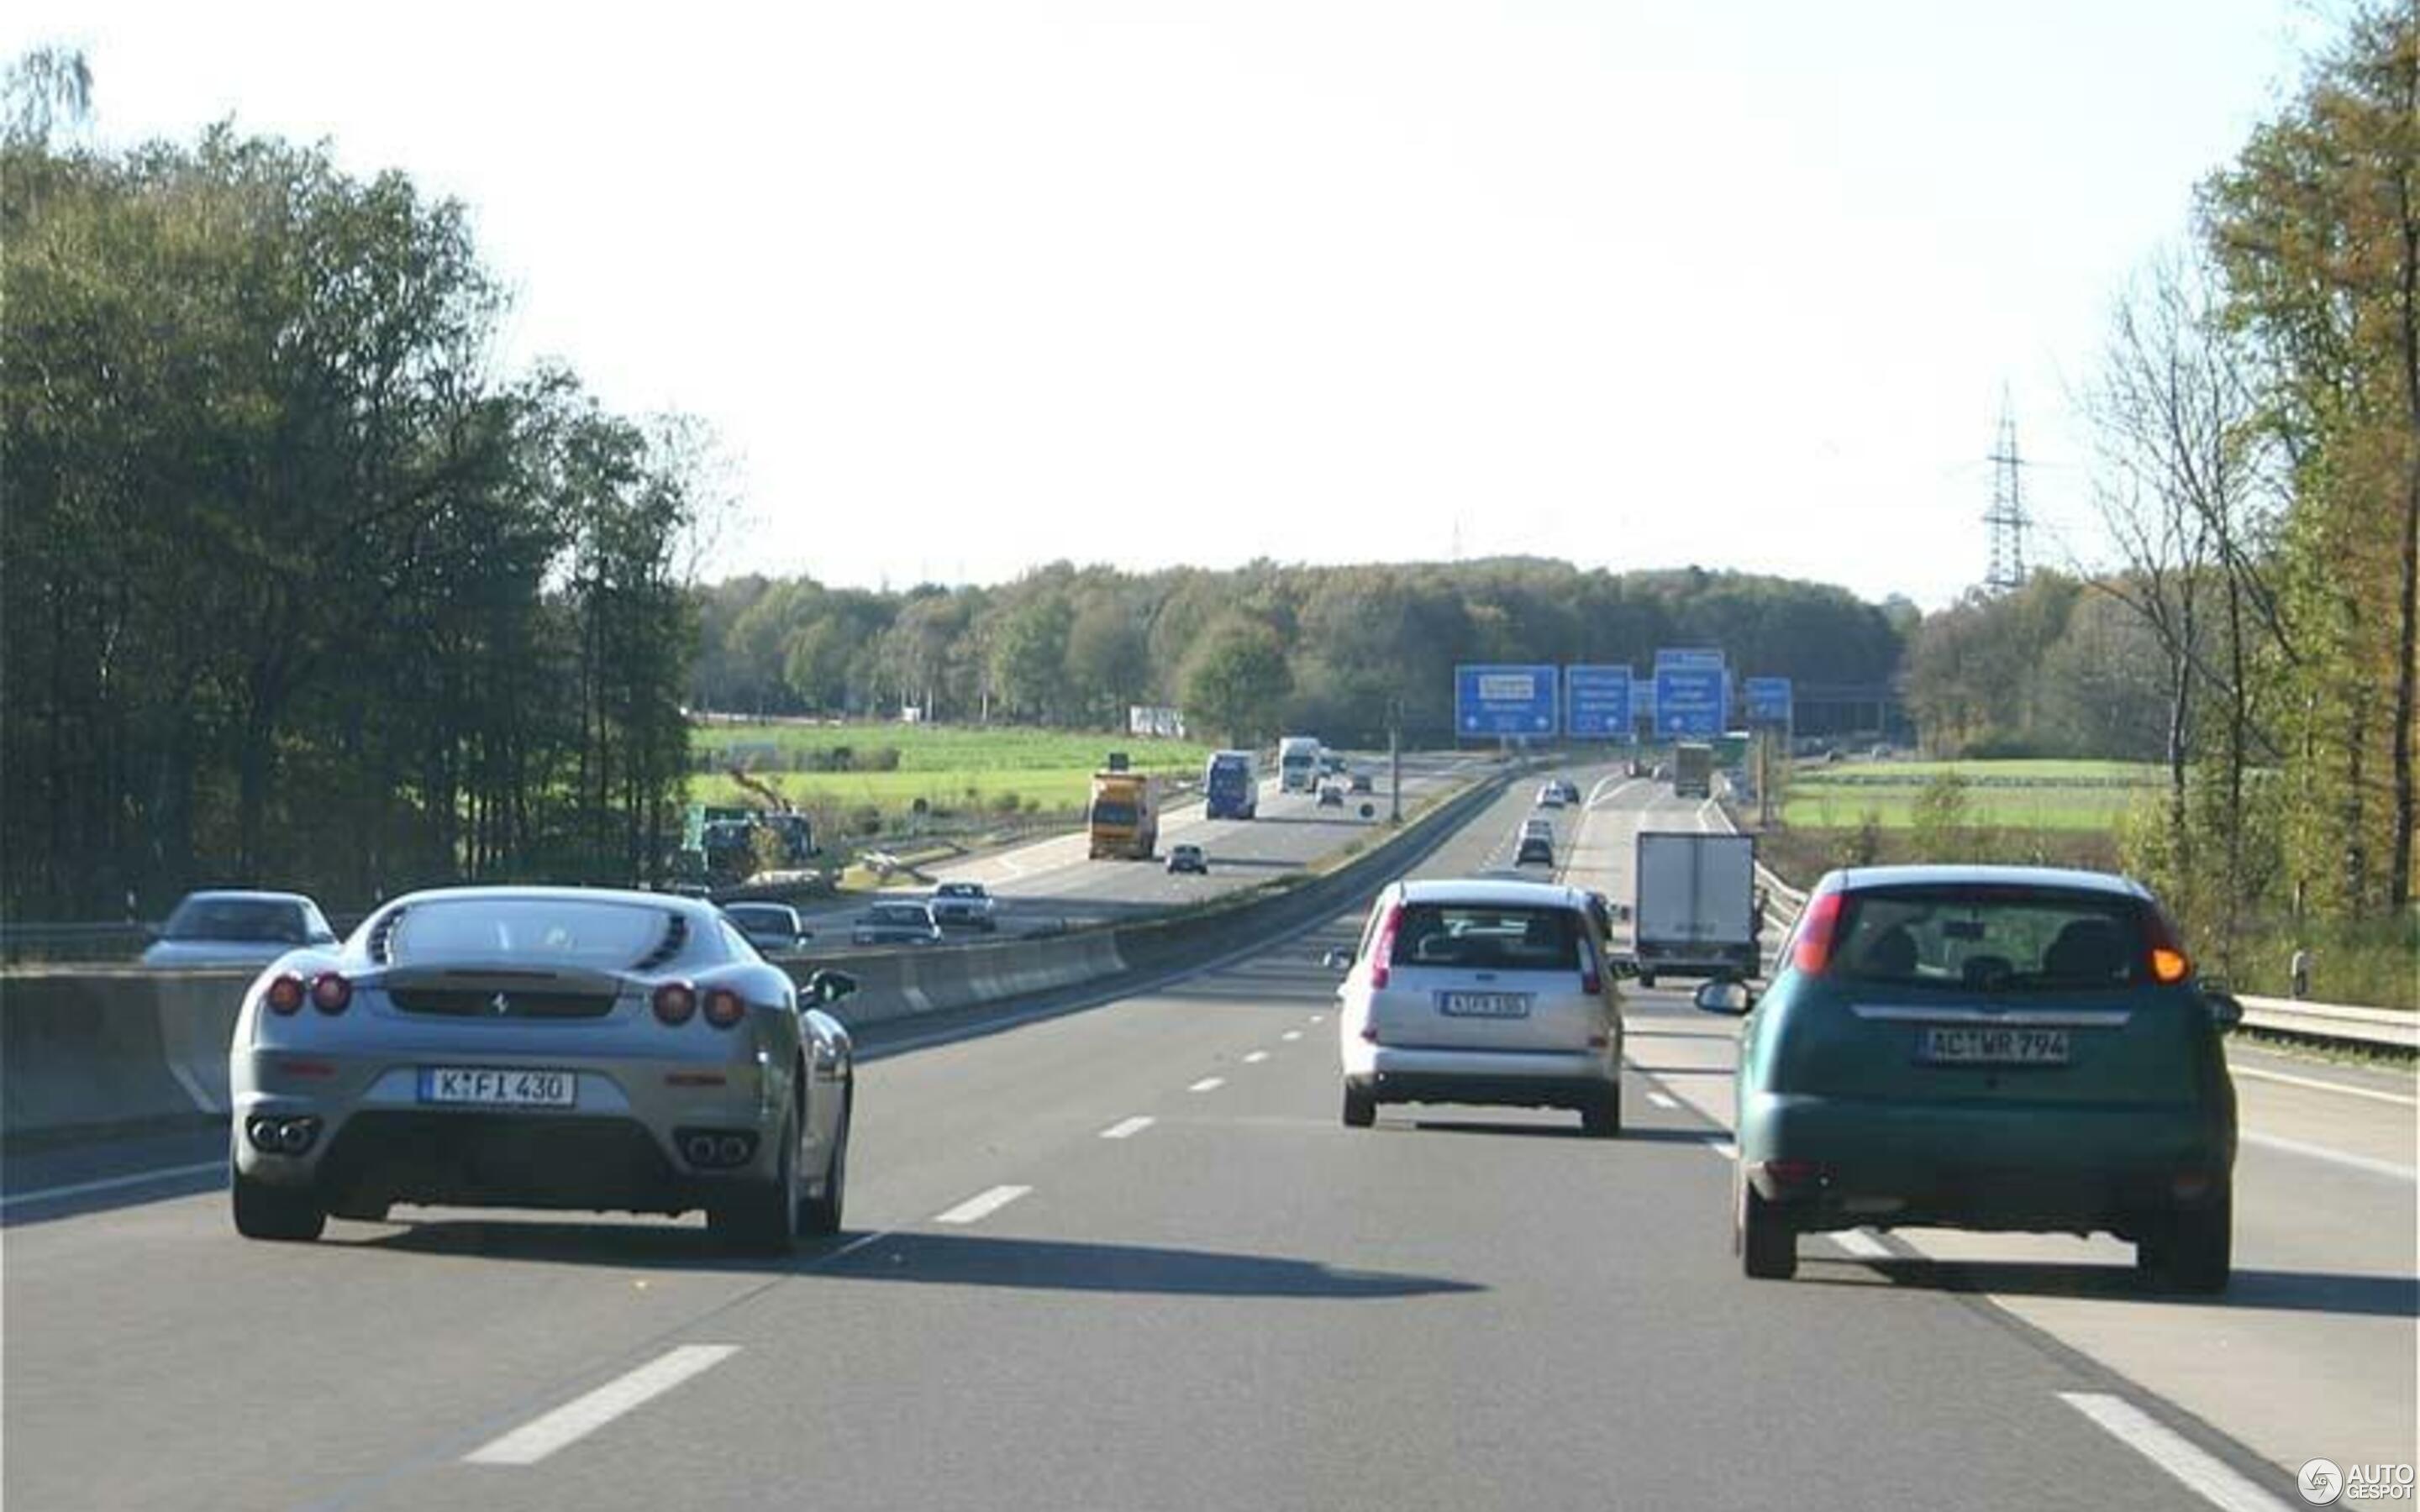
(949, 766)
(2012, 794)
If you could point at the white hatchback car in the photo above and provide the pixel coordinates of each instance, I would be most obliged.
(1480, 992)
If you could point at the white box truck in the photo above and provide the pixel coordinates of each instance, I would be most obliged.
(1694, 912)
(1299, 764)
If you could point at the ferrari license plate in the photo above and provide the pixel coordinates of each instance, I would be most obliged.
(1484, 1005)
(499, 1087)
(1992, 1047)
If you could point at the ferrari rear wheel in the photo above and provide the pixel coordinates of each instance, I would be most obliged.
(763, 1219)
(277, 1212)
(822, 1215)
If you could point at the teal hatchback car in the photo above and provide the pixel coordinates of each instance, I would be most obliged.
(2014, 1048)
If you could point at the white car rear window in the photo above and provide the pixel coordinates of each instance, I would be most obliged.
(1488, 937)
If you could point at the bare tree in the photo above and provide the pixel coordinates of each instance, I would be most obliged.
(2185, 504)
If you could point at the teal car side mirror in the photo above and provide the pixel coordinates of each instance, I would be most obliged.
(2225, 1008)
(1723, 996)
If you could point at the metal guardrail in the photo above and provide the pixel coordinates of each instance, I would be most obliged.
(2383, 1029)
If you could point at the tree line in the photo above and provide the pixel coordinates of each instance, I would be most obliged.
(1341, 651)
(2253, 627)
(295, 588)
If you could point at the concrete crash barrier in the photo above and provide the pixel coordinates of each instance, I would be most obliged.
(895, 984)
(102, 1046)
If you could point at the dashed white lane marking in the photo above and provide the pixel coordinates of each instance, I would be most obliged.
(1317, 1018)
(582, 1415)
(2172, 1452)
(2316, 1084)
(1861, 1245)
(981, 1205)
(1291, 1034)
(1208, 1083)
(167, 1173)
(1256, 1057)
(1727, 1151)
(1126, 1128)
(1663, 1101)
(2337, 1157)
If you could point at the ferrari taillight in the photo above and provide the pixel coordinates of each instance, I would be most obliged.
(725, 1007)
(676, 1003)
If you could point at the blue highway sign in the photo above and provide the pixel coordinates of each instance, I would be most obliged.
(1596, 704)
(1505, 700)
(1690, 701)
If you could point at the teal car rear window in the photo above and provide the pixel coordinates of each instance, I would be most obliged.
(1997, 939)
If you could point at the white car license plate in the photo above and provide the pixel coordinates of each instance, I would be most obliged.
(498, 1086)
(1984, 1047)
(1484, 1005)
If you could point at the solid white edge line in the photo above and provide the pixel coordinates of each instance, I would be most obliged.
(1256, 1057)
(2171, 1451)
(167, 1173)
(2334, 1157)
(1860, 1244)
(1663, 1101)
(2320, 1085)
(981, 1205)
(582, 1415)
(1208, 1083)
(1127, 1128)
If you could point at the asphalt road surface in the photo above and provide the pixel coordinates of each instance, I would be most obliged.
(1129, 1258)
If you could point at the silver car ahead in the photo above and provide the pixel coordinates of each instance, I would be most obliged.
(230, 927)
(897, 923)
(775, 929)
(541, 1048)
(1480, 992)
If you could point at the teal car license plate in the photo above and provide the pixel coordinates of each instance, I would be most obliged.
(1982, 1045)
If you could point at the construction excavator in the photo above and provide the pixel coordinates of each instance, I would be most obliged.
(726, 836)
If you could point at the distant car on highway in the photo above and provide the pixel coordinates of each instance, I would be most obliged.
(1188, 858)
(1332, 795)
(1550, 795)
(237, 927)
(775, 929)
(1985, 1047)
(541, 1048)
(897, 923)
(1359, 782)
(1480, 991)
(965, 904)
(1535, 848)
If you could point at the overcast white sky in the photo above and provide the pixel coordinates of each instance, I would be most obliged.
(964, 288)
